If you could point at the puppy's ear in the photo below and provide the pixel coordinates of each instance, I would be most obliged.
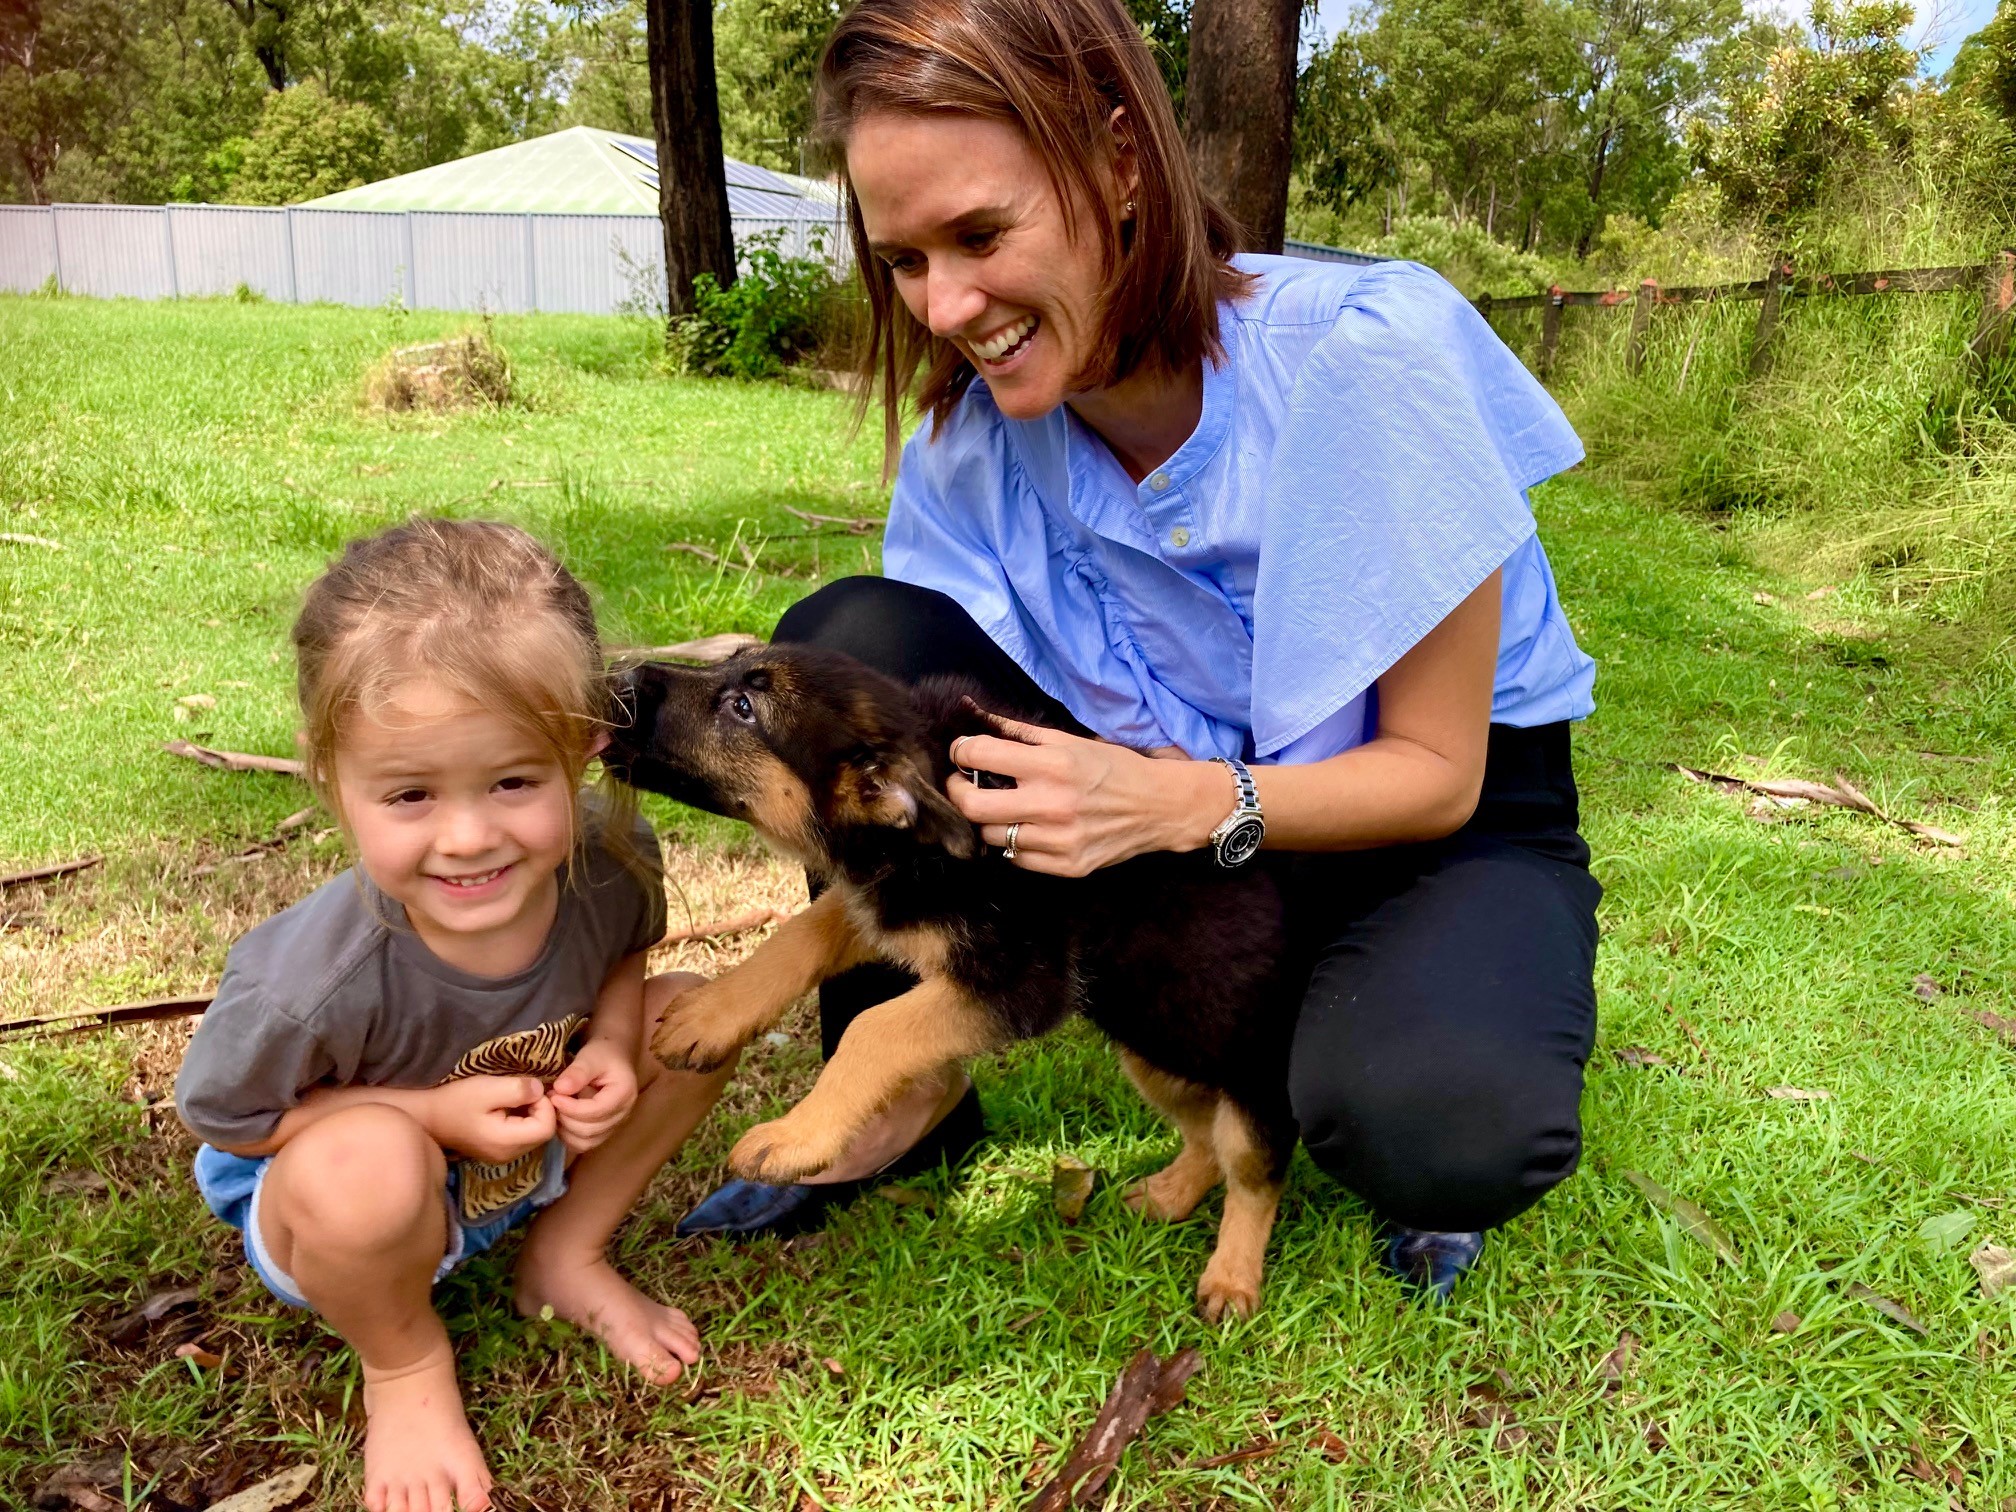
(902, 795)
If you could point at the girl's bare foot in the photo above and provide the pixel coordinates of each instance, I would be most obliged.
(659, 1341)
(419, 1452)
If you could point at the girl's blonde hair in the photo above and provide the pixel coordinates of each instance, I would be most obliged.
(477, 606)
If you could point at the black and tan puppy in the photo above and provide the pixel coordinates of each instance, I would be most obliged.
(844, 770)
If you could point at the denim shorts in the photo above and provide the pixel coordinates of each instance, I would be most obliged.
(230, 1186)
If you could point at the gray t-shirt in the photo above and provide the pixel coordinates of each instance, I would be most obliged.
(339, 991)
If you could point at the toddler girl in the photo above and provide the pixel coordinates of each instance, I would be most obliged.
(449, 1038)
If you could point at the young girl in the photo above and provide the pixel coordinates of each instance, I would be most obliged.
(448, 1038)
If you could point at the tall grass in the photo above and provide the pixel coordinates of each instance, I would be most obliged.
(1875, 450)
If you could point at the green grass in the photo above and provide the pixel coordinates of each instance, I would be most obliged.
(1746, 954)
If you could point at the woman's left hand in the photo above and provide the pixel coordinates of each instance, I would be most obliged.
(1080, 804)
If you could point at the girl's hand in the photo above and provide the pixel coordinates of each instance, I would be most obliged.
(1081, 804)
(493, 1118)
(594, 1094)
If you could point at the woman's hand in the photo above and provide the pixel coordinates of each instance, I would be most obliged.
(1080, 804)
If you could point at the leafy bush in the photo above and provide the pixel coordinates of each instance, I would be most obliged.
(775, 314)
(1465, 254)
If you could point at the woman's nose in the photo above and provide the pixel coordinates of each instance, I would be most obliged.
(951, 302)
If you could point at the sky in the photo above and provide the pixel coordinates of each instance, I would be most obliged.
(1941, 24)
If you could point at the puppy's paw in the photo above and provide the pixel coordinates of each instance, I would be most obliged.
(784, 1150)
(1224, 1289)
(696, 1034)
(1171, 1194)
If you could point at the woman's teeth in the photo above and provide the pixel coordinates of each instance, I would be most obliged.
(1006, 340)
(476, 881)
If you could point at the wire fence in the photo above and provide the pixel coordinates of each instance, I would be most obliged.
(424, 259)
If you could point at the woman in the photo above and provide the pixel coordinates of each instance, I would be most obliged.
(1260, 518)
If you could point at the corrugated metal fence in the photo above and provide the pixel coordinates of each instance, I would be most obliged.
(436, 260)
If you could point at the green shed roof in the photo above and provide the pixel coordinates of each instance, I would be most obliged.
(579, 171)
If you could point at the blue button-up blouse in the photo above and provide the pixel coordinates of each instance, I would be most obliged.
(1360, 466)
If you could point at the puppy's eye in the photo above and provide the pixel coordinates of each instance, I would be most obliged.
(742, 708)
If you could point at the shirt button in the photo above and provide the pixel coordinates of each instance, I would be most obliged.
(1159, 482)
(1179, 538)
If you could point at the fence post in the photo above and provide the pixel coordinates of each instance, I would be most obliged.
(293, 273)
(56, 249)
(1775, 278)
(1484, 305)
(1550, 330)
(531, 266)
(412, 279)
(1641, 324)
(168, 237)
(1998, 310)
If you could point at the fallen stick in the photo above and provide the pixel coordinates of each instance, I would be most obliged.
(78, 1020)
(50, 873)
(235, 761)
(276, 841)
(13, 538)
(1147, 1386)
(852, 524)
(742, 923)
(707, 650)
(1842, 794)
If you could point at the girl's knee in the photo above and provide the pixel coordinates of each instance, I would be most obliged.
(369, 1173)
(661, 991)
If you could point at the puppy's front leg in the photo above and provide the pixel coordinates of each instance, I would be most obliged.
(885, 1049)
(713, 1021)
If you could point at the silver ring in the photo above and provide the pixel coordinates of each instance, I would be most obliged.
(1008, 850)
(956, 762)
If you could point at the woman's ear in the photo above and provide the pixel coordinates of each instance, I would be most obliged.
(1126, 170)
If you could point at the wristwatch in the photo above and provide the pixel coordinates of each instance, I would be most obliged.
(1237, 840)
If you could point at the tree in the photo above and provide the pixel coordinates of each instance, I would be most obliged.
(1239, 103)
(766, 52)
(686, 121)
(62, 84)
(309, 145)
(1818, 102)
(1985, 65)
(1345, 145)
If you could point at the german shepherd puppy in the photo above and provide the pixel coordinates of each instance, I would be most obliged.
(844, 769)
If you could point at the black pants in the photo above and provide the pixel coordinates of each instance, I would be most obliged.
(1437, 1069)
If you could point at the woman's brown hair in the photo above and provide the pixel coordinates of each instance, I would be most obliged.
(1057, 70)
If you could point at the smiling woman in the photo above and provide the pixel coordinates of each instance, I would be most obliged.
(1252, 536)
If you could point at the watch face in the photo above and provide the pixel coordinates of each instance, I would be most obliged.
(1238, 846)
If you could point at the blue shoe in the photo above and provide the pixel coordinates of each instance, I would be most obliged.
(1429, 1262)
(747, 1209)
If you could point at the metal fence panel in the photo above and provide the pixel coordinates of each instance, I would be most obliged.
(220, 247)
(471, 261)
(27, 248)
(114, 250)
(597, 264)
(352, 257)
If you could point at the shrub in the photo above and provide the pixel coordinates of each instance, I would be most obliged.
(466, 369)
(775, 314)
(1464, 253)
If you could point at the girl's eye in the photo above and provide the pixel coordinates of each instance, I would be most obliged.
(408, 796)
(516, 785)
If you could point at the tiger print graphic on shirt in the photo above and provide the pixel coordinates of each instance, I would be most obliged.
(487, 1188)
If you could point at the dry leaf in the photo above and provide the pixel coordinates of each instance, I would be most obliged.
(1617, 1364)
(1638, 1055)
(1786, 1322)
(1995, 1266)
(1820, 593)
(196, 701)
(1840, 794)
(834, 1368)
(283, 1490)
(133, 1326)
(1926, 986)
(2006, 1027)
(1797, 1094)
(1694, 1220)
(1071, 1187)
(76, 1182)
(196, 1354)
(1238, 1456)
(1894, 1311)
(50, 873)
(1763, 598)
(1330, 1446)
(1026, 1319)
(16, 538)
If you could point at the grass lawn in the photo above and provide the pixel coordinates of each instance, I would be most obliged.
(197, 462)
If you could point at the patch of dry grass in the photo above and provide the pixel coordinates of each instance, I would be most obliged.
(465, 369)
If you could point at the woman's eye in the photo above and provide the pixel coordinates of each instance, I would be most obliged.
(902, 262)
(980, 241)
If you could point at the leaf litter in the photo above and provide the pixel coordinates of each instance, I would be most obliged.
(1146, 1387)
(1995, 1266)
(1792, 792)
(1694, 1219)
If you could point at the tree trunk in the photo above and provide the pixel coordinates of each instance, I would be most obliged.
(686, 120)
(1241, 106)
